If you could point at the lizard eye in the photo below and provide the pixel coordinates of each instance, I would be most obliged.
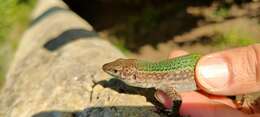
(115, 71)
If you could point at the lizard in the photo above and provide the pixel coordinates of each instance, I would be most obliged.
(170, 76)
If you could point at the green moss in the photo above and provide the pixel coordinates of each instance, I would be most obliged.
(13, 21)
(221, 12)
(233, 38)
(120, 44)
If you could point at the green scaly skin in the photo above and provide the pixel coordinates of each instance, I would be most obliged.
(176, 64)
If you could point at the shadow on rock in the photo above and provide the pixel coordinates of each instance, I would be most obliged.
(55, 114)
(108, 111)
(47, 13)
(115, 111)
(122, 87)
(67, 37)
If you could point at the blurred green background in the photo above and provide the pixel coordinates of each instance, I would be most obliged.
(14, 18)
(150, 29)
(146, 29)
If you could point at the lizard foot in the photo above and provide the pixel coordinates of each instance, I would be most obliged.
(171, 107)
(245, 105)
(174, 110)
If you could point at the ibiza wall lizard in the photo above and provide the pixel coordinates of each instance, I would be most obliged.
(169, 76)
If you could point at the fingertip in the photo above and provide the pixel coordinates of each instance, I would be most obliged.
(212, 73)
(230, 72)
(177, 53)
(163, 99)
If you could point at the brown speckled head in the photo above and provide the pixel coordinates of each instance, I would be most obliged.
(124, 69)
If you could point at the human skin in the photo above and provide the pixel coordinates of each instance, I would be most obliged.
(230, 72)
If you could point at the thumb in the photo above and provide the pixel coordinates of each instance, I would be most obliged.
(230, 72)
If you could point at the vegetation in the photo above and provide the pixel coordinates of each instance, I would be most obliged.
(233, 38)
(133, 24)
(13, 21)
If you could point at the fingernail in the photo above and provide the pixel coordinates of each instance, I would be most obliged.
(178, 53)
(213, 73)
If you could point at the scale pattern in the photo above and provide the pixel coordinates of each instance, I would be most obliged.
(181, 63)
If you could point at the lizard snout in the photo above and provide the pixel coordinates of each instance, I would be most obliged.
(105, 67)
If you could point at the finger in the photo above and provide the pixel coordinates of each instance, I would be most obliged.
(197, 104)
(162, 97)
(177, 53)
(209, 109)
(254, 115)
(230, 72)
(193, 97)
(198, 97)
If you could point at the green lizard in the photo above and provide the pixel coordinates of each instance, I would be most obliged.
(168, 76)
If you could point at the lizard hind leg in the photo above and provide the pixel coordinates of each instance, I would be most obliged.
(170, 99)
(245, 103)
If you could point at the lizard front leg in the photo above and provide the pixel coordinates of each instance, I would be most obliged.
(171, 100)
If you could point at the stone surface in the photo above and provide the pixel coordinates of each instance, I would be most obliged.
(57, 69)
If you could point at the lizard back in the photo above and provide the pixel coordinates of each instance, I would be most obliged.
(181, 63)
(178, 72)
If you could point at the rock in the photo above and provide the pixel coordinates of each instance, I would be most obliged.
(57, 67)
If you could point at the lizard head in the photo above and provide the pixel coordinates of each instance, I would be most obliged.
(124, 69)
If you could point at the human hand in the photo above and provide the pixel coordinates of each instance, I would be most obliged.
(230, 72)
